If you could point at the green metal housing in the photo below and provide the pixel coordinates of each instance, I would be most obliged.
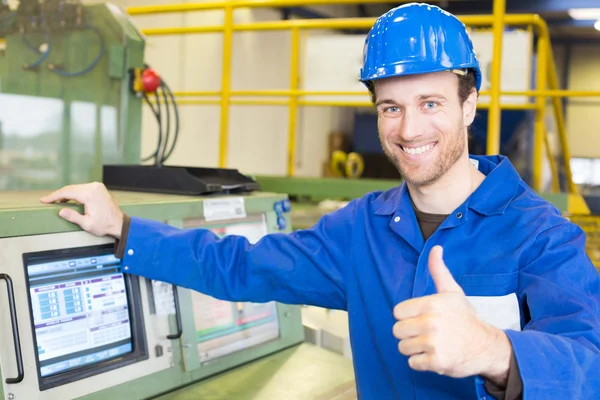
(55, 129)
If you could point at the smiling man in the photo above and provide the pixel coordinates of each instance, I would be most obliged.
(461, 283)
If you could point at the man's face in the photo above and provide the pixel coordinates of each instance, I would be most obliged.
(422, 124)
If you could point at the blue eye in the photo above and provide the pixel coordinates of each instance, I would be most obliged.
(391, 109)
(430, 104)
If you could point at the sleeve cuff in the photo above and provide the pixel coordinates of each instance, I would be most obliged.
(514, 385)
(121, 243)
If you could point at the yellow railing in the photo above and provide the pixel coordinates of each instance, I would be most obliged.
(546, 72)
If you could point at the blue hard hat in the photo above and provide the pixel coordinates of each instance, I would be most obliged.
(417, 38)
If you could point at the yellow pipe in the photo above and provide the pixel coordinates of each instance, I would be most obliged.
(171, 8)
(526, 106)
(335, 23)
(560, 121)
(243, 102)
(196, 93)
(493, 134)
(285, 92)
(297, 92)
(326, 23)
(332, 103)
(259, 102)
(217, 5)
(555, 93)
(293, 105)
(181, 30)
(326, 103)
(555, 182)
(357, 23)
(540, 123)
(197, 101)
(225, 85)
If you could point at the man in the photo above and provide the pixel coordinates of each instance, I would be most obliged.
(461, 283)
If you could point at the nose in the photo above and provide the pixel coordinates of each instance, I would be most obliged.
(409, 127)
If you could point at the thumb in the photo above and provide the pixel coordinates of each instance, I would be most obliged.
(444, 282)
(73, 216)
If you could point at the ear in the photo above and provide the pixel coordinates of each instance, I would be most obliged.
(470, 107)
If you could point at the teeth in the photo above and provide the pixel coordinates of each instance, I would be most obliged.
(417, 150)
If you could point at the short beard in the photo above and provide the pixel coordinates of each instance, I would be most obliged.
(446, 160)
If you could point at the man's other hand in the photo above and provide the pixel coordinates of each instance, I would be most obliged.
(442, 333)
(102, 215)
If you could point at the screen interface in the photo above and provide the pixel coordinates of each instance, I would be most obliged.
(80, 310)
(223, 327)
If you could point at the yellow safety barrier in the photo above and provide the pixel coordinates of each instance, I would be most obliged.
(590, 224)
(493, 136)
(546, 72)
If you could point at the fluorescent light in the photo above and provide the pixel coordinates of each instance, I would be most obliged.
(584, 13)
(597, 25)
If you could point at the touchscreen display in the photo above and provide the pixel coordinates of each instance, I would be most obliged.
(80, 309)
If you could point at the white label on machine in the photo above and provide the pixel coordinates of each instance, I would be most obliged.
(164, 303)
(224, 209)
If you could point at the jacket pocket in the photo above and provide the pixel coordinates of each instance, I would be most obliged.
(494, 297)
(489, 284)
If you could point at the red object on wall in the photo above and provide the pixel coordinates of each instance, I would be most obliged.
(150, 80)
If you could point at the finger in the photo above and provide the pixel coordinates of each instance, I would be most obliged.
(65, 194)
(411, 327)
(414, 346)
(444, 282)
(73, 216)
(412, 308)
(423, 362)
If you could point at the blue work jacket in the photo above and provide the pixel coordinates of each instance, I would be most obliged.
(522, 264)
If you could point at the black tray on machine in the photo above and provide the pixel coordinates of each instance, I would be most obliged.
(176, 179)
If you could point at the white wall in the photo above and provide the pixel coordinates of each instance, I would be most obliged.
(258, 135)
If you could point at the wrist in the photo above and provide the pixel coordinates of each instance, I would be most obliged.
(117, 228)
(497, 357)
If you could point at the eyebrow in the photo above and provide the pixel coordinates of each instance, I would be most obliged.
(431, 95)
(384, 101)
(420, 98)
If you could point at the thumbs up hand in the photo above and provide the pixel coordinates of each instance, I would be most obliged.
(442, 333)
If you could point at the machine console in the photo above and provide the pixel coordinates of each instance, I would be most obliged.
(85, 313)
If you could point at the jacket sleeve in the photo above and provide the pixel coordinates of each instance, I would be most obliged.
(302, 267)
(558, 350)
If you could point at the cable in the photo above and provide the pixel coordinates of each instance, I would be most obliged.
(157, 160)
(44, 55)
(158, 120)
(89, 67)
(176, 112)
(161, 154)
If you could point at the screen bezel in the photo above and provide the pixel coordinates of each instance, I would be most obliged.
(138, 332)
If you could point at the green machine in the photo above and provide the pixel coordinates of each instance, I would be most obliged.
(75, 327)
(68, 106)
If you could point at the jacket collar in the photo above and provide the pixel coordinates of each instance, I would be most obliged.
(491, 197)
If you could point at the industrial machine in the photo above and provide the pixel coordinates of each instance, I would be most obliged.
(74, 326)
